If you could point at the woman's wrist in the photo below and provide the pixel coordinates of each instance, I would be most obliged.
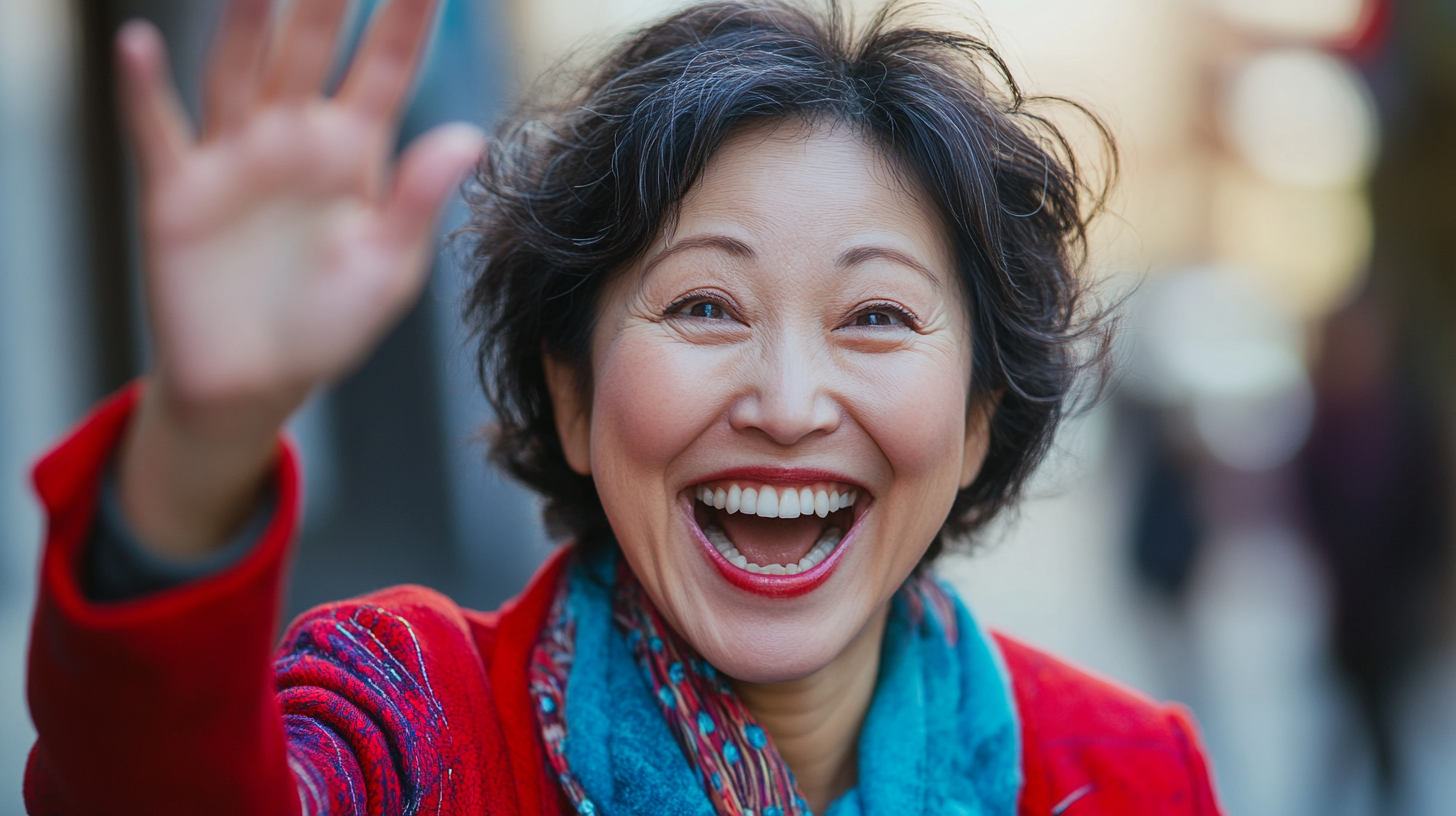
(190, 475)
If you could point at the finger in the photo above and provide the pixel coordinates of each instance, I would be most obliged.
(237, 59)
(430, 171)
(154, 115)
(305, 50)
(385, 66)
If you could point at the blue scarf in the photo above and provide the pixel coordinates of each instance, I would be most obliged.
(940, 736)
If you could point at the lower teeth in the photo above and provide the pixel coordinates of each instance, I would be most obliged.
(828, 540)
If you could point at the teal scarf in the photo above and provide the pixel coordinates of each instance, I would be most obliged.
(626, 730)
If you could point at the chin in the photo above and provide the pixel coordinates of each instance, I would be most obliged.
(774, 648)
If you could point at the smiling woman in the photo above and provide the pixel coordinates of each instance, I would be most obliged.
(837, 360)
(771, 311)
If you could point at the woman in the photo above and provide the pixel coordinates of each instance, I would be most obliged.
(769, 313)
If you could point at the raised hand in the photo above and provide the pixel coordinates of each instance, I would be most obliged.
(280, 244)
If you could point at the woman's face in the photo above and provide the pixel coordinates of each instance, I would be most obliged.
(778, 423)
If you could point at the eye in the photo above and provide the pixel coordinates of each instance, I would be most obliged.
(882, 315)
(701, 305)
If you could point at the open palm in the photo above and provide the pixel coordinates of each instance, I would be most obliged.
(280, 243)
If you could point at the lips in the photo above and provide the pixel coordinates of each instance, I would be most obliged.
(776, 533)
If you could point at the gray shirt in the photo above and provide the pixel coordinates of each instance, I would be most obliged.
(117, 567)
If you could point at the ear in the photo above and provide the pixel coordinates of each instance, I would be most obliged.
(978, 437)
(572, 411)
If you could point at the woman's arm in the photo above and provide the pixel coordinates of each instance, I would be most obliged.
(173, 703)
(279, 245)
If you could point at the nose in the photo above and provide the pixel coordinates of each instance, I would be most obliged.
(787, 398)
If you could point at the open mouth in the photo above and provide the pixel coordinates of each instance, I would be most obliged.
(781, 532)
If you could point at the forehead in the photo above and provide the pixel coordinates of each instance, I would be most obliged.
(805, 184)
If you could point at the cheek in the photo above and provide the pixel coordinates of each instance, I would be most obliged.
(914, 406)
(650, 403)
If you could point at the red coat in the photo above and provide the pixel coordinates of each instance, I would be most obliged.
(177, 704)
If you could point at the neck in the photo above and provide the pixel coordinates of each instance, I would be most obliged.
(815, 720)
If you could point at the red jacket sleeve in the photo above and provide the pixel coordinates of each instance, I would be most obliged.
(175, 703)
(166, 703)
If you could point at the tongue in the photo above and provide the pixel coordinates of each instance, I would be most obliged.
(767, 541)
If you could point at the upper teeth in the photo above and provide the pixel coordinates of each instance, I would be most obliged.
(828, 540)
(770, 502)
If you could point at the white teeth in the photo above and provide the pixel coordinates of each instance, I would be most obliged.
(719, 538)
(768, 502)
(789, 504)
(828, 540)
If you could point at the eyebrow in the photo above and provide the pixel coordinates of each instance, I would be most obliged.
(732, 246)
(863, 254)
(853, 256)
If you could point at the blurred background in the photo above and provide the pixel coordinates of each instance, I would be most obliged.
(1257, 522)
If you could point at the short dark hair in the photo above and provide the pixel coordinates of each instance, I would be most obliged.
(571, 192)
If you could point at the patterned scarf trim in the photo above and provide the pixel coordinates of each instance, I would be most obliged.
(740, 769)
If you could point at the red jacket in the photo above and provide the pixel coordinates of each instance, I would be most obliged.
(178, 702)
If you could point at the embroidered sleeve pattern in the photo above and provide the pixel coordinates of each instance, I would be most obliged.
(366, 731)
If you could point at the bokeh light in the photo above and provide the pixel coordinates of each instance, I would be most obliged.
(1216, 344)
(1302, 117)
(1307, 247)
